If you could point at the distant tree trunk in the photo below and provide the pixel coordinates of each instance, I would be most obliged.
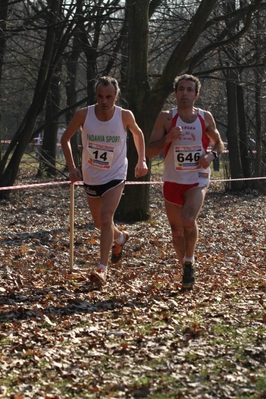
(48, 151)
(91, 57)
(258, 85)
(134, 205)
(232, 134)
(233, 98)
(258, 80)
(3, 16)
(22, 137)
(124, 52)
(80, 43)
(71, 91)
(243, 137)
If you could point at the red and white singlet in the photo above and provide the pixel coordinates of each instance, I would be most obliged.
(181, 157)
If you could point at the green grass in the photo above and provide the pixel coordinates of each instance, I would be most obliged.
(157, 166)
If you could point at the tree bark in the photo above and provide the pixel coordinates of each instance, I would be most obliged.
(243, 137)
(48, 152)
(258, 85)
(145, 102)
(232, 135)
(134, 204)
(3, 16)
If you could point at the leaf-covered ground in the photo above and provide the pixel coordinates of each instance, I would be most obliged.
(140, 336)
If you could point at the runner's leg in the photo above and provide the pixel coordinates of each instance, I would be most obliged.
(174, 215)
(102, 210)
(194, 199)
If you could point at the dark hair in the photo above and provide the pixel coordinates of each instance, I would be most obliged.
(106, 80)
(188, 77)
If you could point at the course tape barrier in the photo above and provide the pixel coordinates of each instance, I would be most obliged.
(34, 185)
(80, 183)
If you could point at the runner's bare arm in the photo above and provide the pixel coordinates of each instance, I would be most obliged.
(159, 138)
(130, 123)
(213, 133)
(76, 122)
(215, 138)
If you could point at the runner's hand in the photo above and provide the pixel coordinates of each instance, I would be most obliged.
(74, 175)
(205, 160)
(141, 169)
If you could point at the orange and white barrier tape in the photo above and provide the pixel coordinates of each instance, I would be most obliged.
(34, 185)
(80, 183)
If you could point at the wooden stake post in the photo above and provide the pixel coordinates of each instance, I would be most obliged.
(71, 241)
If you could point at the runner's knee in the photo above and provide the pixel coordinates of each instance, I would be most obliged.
(106, 219)
(189, 222)
(177, 232)
(189, 218)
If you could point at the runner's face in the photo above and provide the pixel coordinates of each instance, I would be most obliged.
(186, 93)
(106, 97)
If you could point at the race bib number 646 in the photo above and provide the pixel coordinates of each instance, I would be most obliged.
(187, 157)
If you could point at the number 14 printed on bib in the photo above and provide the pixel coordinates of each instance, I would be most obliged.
(100, 156)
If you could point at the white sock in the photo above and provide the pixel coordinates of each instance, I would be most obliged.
(186, 259)
(120, 239)
(102, 267)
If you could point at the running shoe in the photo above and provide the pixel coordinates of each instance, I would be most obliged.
(98, 277)
(188, 276)
(117, 249)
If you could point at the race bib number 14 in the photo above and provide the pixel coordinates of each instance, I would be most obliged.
(100, 156)
(187, 157)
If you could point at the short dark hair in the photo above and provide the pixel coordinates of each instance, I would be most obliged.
(186, 76)
(106, 80)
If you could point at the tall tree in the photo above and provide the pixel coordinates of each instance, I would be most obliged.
(258, 95)
(232, 109)
(137, 85)
(3, 17)
(9, 167)
(48, 151)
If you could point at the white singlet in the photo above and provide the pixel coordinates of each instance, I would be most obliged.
(181, 157)
(104, 148)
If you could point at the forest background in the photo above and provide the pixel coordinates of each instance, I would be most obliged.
(140, 336)
(51, 52)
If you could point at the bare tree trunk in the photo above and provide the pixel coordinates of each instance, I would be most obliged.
(134, 205)
(232, 134)
(258, 85)
(48, 152)
(243, 137)
(3, 16)
(71, 92)
(232, 101)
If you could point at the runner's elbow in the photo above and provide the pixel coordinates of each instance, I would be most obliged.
(150, 153)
